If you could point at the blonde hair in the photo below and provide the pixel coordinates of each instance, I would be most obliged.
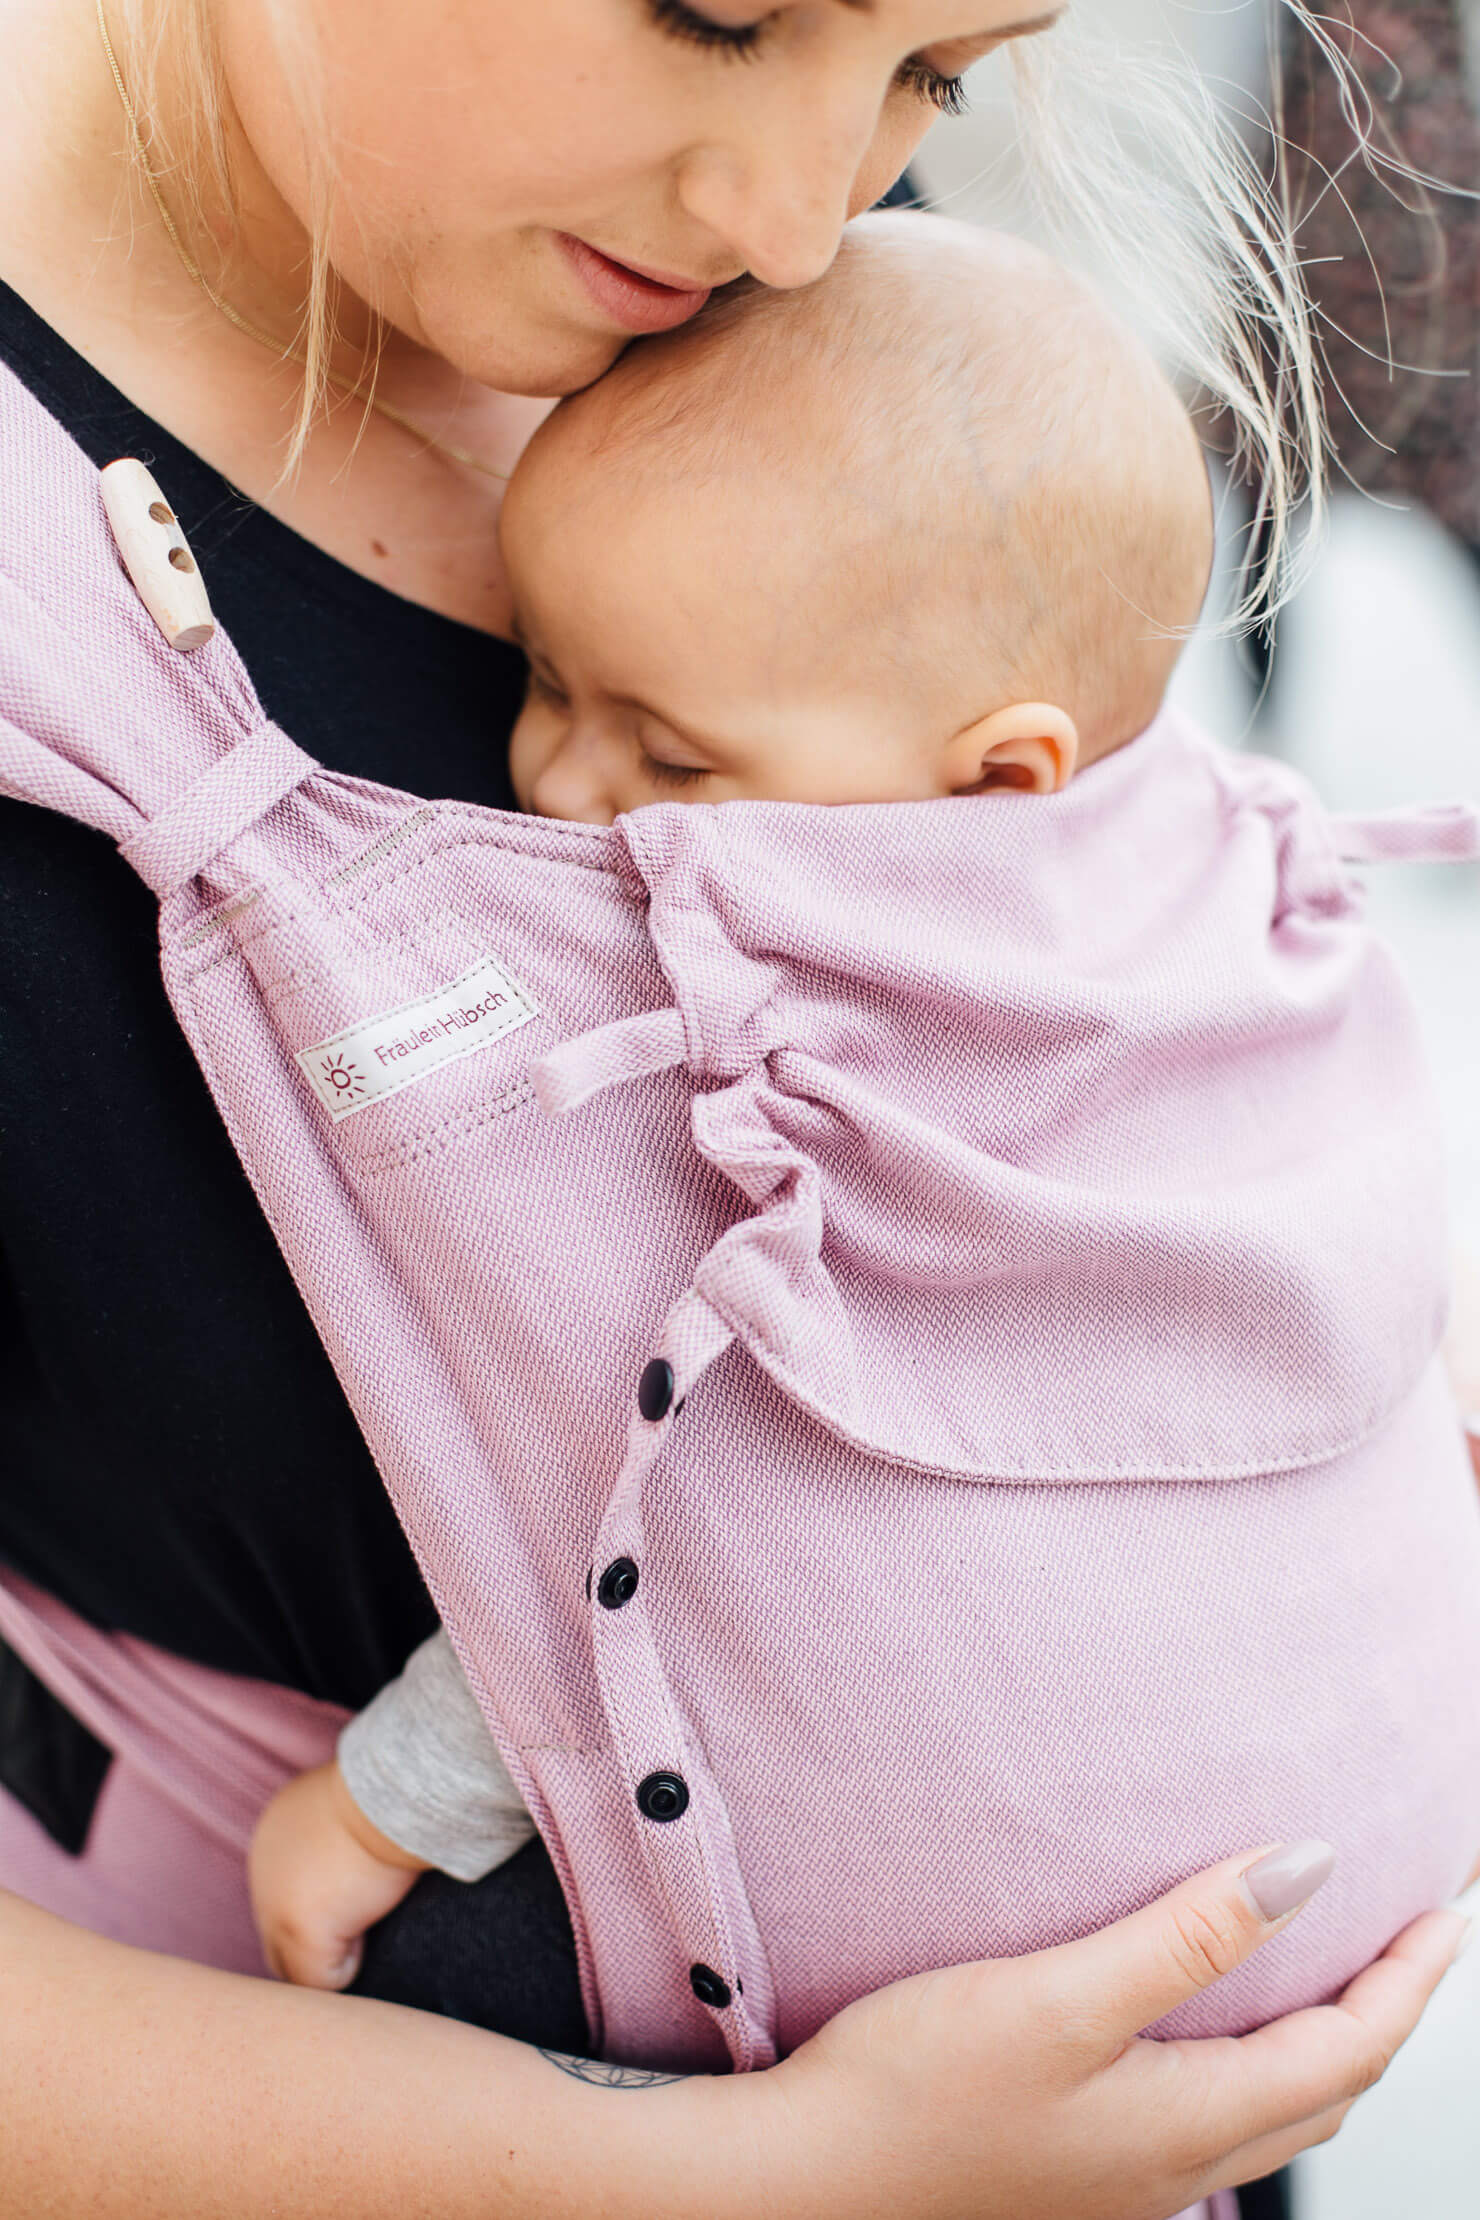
(1157, 181)
(192, 163)
(1134, 158)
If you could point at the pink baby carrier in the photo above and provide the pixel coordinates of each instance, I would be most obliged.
(903, 1337)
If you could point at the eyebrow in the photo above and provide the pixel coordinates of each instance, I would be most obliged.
(534, 655)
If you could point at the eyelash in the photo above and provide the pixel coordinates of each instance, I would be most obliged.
(737, 41)
(740, 42)
(666, 774)
(946, 93)
(670, 774)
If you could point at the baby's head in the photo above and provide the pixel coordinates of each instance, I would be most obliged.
(933, 525)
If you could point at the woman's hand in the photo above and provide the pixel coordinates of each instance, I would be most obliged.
(1021, 2088)
(1010, 2091)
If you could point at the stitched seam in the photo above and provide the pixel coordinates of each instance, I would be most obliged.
(379, 849)
(446, 847)
(221, 917)
(433, 1139)
(1307, 1458)
(424, 1140)
(284, 984)
(563, 1749)
(331, 907)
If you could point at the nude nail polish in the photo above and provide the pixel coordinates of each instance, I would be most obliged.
(1284, 1879)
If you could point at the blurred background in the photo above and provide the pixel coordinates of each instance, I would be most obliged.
(1371, 683)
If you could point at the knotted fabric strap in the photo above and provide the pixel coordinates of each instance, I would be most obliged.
(238, 789)
(608, 1057)
(1441, 832)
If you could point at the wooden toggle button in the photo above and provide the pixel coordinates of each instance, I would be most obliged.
(156, 556)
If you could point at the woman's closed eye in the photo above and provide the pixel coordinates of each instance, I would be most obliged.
(742, 42)
(916, 76)
(679, 21)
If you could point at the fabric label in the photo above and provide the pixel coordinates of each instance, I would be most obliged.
(382, 1054)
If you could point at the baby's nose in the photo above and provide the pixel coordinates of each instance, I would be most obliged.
(569, 789)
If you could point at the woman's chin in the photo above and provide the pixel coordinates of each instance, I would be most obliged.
(533, 356)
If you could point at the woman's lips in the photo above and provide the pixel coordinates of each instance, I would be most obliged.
(632, 298)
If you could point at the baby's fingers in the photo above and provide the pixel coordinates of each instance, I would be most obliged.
(313, 1958)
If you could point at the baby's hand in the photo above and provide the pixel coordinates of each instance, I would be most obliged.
(320, 1875)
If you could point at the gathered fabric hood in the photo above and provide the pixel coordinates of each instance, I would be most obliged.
(1104, 1093)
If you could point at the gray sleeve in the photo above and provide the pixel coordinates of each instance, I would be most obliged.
(422, 1766)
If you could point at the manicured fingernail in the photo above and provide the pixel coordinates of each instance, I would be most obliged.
(1286, 1878)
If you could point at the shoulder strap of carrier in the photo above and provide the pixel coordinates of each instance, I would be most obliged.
(170, 754)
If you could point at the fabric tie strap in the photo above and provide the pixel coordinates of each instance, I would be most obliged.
(238, 789)
(1439, 832)
(632, 1048)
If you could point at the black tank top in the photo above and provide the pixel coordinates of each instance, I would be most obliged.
(176, 1458)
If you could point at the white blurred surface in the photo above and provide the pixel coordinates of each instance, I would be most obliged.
(971, 164)
(1411, 2150)
(1378, 702)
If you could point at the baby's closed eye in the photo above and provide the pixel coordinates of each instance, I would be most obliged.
(672, 774)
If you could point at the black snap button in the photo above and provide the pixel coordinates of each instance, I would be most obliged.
(618, 1584)
(655, 1389)
(709, 1988)
(663, 1796)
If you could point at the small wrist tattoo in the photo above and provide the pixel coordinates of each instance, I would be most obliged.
(600, 2075)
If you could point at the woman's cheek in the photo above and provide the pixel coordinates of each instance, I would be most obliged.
(902, 126)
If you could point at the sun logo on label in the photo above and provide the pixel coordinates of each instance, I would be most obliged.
(343, 1079)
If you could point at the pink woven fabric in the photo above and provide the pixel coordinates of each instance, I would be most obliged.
(197, 1754)
(1038, 1205)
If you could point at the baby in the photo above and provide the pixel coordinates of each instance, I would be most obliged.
(935, 526)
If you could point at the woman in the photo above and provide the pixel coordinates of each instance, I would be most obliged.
(184, 189)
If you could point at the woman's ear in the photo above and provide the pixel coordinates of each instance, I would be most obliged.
(1030, 747)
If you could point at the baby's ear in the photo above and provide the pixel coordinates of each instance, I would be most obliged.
(1030, 747)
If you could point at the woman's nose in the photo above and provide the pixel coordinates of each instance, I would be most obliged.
(778, 192)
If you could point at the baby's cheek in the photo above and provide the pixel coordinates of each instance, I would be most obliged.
(530, 749)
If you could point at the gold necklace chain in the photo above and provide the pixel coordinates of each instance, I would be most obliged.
(355, 389)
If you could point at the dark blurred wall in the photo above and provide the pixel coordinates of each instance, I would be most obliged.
(1404, 432)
